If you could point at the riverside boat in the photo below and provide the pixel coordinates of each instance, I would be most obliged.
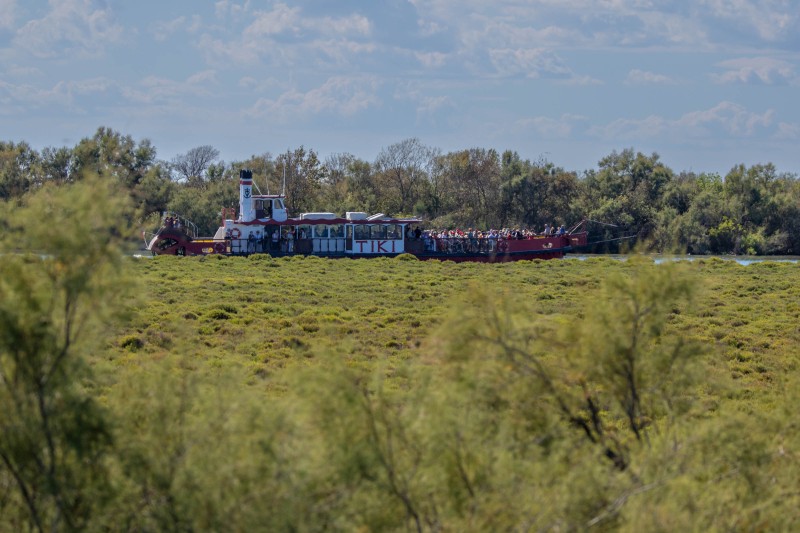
(264, 226)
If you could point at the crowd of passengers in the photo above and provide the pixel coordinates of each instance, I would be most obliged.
(474, 240)
(258, 241)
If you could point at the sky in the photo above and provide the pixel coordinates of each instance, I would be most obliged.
(705, 84)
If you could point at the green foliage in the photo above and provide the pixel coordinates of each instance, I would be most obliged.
(61, 264)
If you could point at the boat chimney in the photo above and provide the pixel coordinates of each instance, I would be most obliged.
(247, 212)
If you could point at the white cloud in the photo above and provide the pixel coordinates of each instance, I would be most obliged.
(532, 63)
(549, 128)
(429, 105)
(204, 77)
(23, 71)
(686, 26)
(283, 36)
(225, 8)
(726, 118)
(643, 77)
(220, 52)
(577, 80)
(350, 25)
(63, 94)
(154, 90)
(341, 50)
(732, 118)
(282, 19)
(248, 82)
(428, 27)
(770, 19)
(70, 27)
(162, 30)
(431, 59)
(760, 69)
(340, 95)
(7, 14)
(787, 131)
(647, 127)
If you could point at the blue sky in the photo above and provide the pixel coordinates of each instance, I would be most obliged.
(706, 84)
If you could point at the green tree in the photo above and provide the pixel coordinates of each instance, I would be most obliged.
(302, 174)
(55, 166)
(362, 187)
(403, 169)
(203, 207)
(110, 154)
(16, 163)
(192, 166)
(60, 280)
(626, 191)
(468, 187)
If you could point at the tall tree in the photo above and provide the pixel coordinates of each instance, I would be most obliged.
(113, 155)
(16, 163)
(403, 168)
(55, 166)
(191, 166)
(626, 191)
(334, 182)
(303, 175)
(468, 182)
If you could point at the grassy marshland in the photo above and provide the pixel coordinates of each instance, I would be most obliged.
(263, 314)
(399, 394)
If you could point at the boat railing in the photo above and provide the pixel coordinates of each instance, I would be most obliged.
(462, 245)
(474, 245)
(177, 221)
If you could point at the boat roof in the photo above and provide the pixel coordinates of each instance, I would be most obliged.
(328, 221)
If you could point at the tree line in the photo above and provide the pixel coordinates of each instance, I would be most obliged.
(749, 210)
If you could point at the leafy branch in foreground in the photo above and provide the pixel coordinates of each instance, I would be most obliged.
(61, 267)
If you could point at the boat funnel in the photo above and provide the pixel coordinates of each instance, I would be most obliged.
(247, 212)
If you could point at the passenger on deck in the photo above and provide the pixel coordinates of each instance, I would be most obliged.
(275, 239)
(290, 241)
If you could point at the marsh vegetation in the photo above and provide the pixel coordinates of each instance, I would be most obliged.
(306, 394)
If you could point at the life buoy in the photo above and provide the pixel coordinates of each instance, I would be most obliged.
(219, 248)
(235, 233)
(502, 246)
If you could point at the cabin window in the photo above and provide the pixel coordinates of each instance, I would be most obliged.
(320, 231)
(362, 232)
(349, 232)
(304, 231)
(394, 231)
(336, 231)
(378, 231)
